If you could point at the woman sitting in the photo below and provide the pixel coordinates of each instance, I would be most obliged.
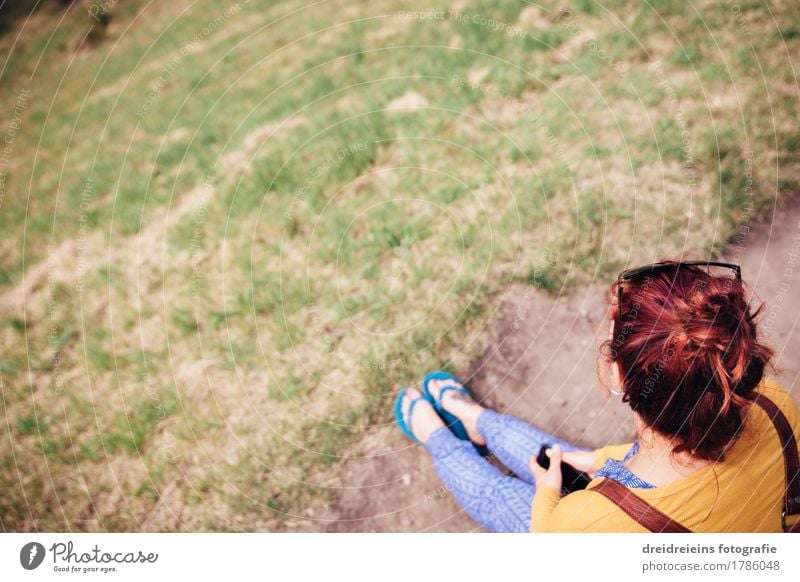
(685, 354)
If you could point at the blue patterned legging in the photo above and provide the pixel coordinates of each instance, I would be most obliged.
(498, 502)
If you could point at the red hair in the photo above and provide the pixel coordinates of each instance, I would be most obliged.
(689, 355)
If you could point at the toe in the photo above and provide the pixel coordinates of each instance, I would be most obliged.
(435, 386)
(408, 397)
(423, 418)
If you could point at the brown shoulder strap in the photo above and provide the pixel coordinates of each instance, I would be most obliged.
(657, 521)
(636, 507)
(791, 502)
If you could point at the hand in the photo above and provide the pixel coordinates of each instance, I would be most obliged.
(548, 477)
(581, 460)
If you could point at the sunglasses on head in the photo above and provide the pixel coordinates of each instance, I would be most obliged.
(655, 268)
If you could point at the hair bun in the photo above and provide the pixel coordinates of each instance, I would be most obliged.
(691, 357)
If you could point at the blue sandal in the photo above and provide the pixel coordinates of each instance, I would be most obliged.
(452, 421)
(404, 422)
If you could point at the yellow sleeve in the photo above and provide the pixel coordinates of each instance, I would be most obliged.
(617, 452)
(544, 502)
(582, 511)
(781, 397)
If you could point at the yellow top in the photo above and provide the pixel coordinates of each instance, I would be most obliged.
(743, 493)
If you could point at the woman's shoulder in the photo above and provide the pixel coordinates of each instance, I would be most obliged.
(759, 428)
(773, 390)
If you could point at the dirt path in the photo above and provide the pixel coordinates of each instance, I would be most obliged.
(539, 365)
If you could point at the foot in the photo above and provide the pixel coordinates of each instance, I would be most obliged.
(460, 405)
(424, 419)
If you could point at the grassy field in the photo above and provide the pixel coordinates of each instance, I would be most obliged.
(232, 232)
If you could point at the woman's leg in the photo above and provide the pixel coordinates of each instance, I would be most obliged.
(511, 440)
(498, 502)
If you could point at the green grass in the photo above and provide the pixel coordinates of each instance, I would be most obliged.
(230, 350)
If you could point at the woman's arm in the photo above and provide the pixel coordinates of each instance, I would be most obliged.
(548, 487)
(551, 512)
(584, 461)
(544, 504)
